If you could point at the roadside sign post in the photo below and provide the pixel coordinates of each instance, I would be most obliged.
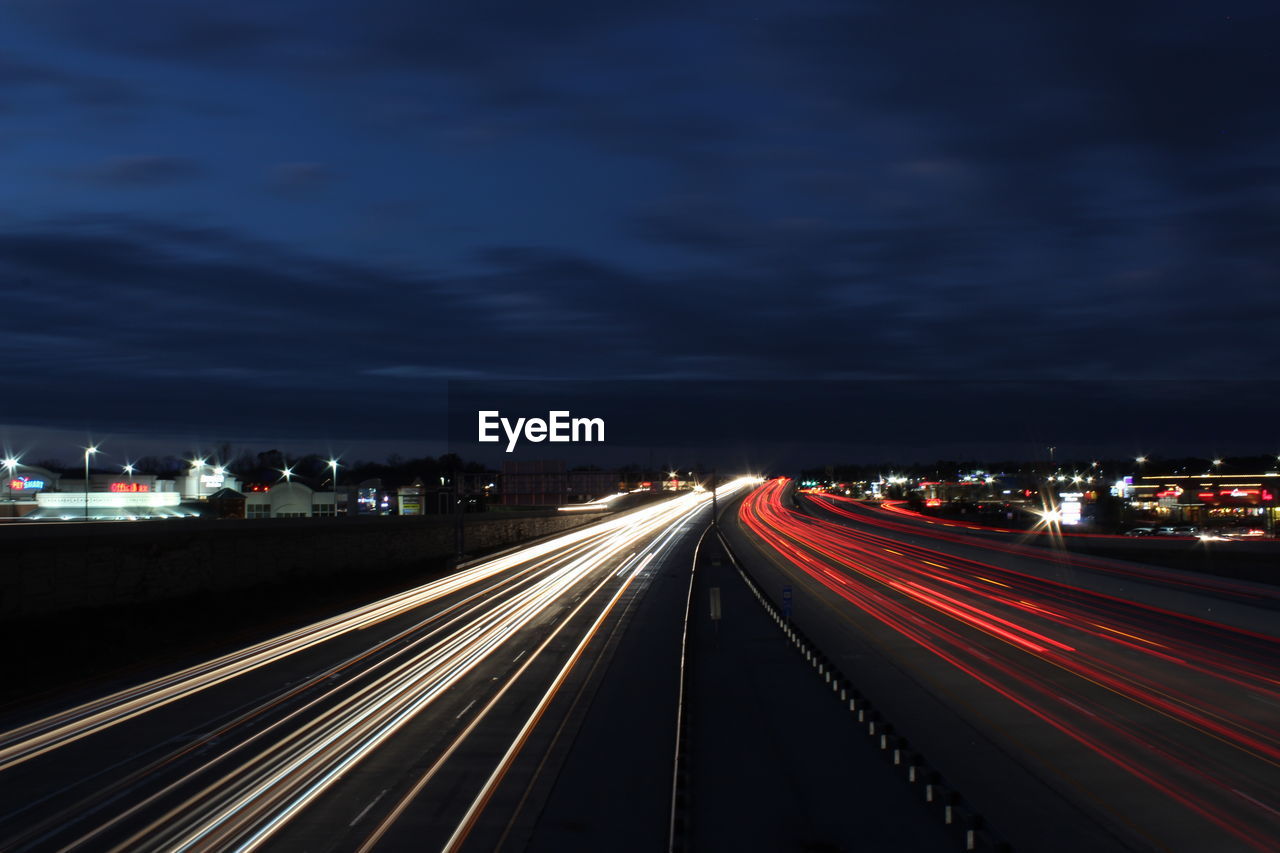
(786, 603)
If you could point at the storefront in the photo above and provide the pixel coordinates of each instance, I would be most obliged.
(110, 505)
(1210, 500)
(289, 500)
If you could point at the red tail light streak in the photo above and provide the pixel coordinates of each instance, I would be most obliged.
(1183, 704)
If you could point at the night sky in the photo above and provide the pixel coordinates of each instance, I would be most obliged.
(297, 221)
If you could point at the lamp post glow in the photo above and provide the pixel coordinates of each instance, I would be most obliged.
(197, 467)
(287, 473)
(88, 451)
(333, 463)
(11, 463)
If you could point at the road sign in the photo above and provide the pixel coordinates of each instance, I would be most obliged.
(786, 602)
(715, 603)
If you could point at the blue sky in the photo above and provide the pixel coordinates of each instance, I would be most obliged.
(272, 220)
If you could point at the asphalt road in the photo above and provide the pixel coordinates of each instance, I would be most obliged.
(416, 722)
(1077, 705)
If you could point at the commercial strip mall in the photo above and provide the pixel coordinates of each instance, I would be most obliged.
(1210, 500)
(209, 490)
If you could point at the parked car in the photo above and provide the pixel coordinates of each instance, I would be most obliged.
(1167, 530)
(1140, 531)
(1186, 530)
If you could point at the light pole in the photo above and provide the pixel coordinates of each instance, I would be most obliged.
(128, 470)
(88, 451)
(11, 463)
(333, 463)
(197, 466)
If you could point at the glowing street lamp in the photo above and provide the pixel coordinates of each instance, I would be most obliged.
(333, 463)
(1217, 465)
(11, 463)
(197, 469)
(287, 473)
(88, 451)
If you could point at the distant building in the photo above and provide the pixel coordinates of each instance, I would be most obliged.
(203, 479)
(1211, 500)
(21, 485)
(289, 500)
(226, 503)
(547, 483)
(534, 483)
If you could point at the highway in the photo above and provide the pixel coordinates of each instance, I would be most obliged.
(395, 725)
(1078, 702)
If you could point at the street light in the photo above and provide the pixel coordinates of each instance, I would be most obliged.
(288, 473)
(88, 451)
(333, 463)
(197, 466)
(11, 463)
(1217, 465)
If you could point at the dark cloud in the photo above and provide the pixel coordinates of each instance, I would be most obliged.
(81, 90)
(299, 180)
(142, 171)
(153, 28)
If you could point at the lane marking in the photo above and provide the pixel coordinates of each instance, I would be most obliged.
(365, 810)
(465, 710)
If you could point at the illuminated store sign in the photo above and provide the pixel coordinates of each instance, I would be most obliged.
(211, 481)
(25, 484)
(1070, 507)
(130, 487)
(1239, 493)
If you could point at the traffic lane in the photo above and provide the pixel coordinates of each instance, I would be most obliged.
(934, 712)
(1116, 730)
(457, 740)
(1163, 649)
(177, 734)
(1240, 604)
(544, 714)
(628, 734)
(1163, 637)
(1138, 557)
(300, 776)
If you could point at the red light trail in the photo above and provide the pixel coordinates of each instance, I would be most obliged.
(1184, 704)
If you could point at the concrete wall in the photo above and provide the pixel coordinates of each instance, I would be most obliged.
(56, 568)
